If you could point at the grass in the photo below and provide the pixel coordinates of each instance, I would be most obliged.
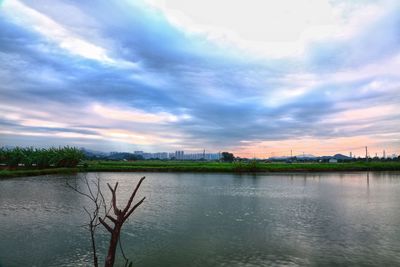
(193, 166)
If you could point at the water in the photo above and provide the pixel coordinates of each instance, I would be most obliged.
(211, 220)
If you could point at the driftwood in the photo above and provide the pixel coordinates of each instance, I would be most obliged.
(112, 223)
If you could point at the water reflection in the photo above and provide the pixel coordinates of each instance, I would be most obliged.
(212, 220)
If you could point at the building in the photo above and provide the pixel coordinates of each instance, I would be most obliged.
(179, 155)
(201, 156)
(160, 155)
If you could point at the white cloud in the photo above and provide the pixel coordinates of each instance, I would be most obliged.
(54, 31)
(134, 115)
(57, 33)
(266, 27)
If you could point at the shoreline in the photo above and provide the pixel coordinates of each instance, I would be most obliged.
(206, 167)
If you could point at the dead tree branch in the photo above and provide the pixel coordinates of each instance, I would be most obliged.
(121, 215)
(98, 200)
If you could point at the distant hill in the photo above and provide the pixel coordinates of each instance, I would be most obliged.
(93, 154)
(300, 157)
(312, 157)
(341, 157)
(306, 156)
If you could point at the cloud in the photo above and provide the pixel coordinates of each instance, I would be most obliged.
(134, 115)
(55, 32)
(121, 75)
(373, 40)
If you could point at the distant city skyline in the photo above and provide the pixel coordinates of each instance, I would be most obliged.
(196, 155)
(256, 78)
(179, 155)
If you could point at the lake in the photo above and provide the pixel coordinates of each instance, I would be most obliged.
(187, 219)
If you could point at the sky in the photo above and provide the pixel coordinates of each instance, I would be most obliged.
(254, 77)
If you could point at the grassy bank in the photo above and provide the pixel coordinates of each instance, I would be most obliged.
(192, 166)
(21, 173)
(187, 166)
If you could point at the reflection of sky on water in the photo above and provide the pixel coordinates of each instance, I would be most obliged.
(212, 220)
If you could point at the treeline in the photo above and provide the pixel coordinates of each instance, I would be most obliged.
(40, 157)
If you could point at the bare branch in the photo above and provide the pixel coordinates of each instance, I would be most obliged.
(89, 189)
(79, 192)
(114, 198)
(111, 218)
(133, 195)
(109, 186)
(106, 225)
(97, 217)
(97, 185)
(115, 187)
(94, 215)
(133, 208)
(122, 252)
(88, 213)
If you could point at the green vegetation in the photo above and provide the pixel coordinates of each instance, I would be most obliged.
(206, 166)
(31, 158)
(227, 157)
(252, 166)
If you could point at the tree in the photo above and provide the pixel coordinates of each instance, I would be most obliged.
(228, 157)
(3, 155)
(100, 214)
